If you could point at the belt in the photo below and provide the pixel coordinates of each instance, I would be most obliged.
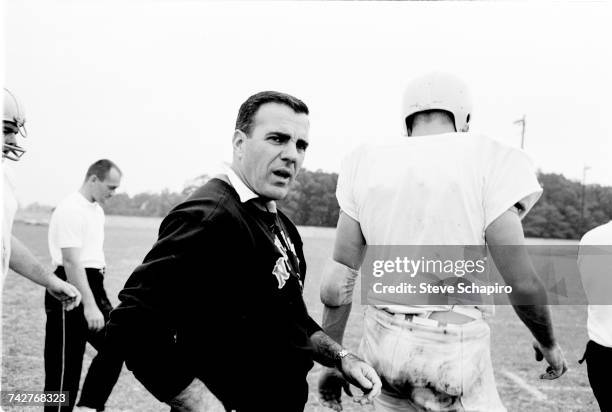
(455, 316)
(101, 271)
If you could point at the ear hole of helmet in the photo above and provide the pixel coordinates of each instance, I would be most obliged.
(408, 122)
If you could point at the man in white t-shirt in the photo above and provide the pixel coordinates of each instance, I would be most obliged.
(76, 239)
(440, 186)
(595, 264)
(15, 255)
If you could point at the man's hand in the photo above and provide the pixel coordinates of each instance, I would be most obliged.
(363, 376)
(93, 316)
(555, 358)
(331, 384)
(191, 399)
(64, 292)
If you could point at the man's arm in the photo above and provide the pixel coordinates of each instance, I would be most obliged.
(23, 262)
(353, 369)
(145, 328)
(340, 276)
(337, 285)
(506, 242)
(75, 273)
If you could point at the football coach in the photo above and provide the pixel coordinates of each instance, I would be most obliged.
(218, 301)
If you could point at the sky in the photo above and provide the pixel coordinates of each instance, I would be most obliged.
(156, 85)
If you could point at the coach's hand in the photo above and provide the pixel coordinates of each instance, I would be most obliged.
(331, 384)
(363, 376)
(64, 292)
(555, 358)
(93, 316)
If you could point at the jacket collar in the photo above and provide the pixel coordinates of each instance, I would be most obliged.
(244, 192)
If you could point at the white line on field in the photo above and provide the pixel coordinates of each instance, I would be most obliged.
(539, 396)
(568, 389)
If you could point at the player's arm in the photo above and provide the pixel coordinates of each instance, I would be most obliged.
(506, 243)
(337, 285)
(76, 275)
(23, 262)
(340, 275)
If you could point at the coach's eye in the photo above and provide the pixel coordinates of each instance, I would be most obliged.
(275, 138)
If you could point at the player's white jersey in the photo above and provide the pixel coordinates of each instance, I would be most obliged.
(434, 190)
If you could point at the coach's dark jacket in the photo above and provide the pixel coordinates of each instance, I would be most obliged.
(205, 303)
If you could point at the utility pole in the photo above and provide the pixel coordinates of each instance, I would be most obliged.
(582, 202)
(521, 121)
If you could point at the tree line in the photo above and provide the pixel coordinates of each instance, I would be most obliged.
(566, 210)
(311, 201)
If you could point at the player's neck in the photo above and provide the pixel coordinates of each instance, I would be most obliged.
(424, 129)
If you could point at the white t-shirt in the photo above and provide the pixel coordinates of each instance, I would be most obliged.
(78, 223)
(9, 208)
(595, 266)
(440, 189)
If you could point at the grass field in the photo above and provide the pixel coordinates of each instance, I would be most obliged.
(127, 241)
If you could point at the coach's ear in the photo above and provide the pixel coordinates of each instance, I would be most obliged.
(238, 143)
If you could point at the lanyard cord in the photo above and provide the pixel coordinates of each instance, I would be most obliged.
(278, 232)
(59, 405)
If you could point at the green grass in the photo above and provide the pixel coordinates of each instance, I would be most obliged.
(24, 321)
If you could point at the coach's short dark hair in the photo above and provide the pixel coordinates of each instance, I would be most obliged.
(249, 108)
(101, 168)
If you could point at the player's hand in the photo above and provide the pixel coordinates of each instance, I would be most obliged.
(331, 384)
(93, 316)
(363, 376)
(64, 292)
(191, 399)
(557, 365)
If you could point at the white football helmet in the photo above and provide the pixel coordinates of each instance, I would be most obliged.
(438, 91)
(14, 114)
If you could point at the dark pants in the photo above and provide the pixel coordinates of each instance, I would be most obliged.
(64, 349)
(599, 365)
(286, 392)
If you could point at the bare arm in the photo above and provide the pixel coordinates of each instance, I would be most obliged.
(23, 262)
(507, 245)
(336, 294)
(76, 275)
(348, 252)
(326, 349)
(353, 369)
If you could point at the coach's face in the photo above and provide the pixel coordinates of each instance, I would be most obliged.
(268, 160)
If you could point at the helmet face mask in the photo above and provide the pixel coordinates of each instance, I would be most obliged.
(13, 124)
(12, 151)
(438, 91)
